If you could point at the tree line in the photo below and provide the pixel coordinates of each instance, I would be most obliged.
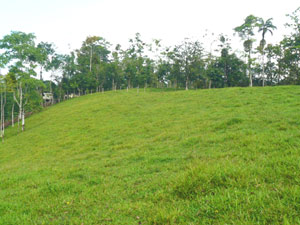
(98, 66)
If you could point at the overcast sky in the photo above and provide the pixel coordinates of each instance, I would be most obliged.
(68, 22)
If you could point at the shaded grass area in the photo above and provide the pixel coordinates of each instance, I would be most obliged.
(222, 156)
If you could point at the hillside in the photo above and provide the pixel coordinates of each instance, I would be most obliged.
(219, 156)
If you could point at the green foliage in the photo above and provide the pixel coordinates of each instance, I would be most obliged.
(291, 47)
(246, 30)
(96, 67)
(222, 156)
(19, 50)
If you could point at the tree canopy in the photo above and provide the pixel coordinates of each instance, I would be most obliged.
(98, 65)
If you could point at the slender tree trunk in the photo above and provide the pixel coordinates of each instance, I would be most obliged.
(187, 84)
(278, 76)
(271, 79)
(249, 70)
(23, 120)
(4, 110)
(20, 102)
(91, 57)
(60, 92)
(226, 75)
(52, 96)
(2, 116)
(263, 69)
(1, 119)
(12, 115)
(41, 73)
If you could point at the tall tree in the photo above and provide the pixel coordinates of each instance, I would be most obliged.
(20, 53)
(190, 56)
(291, 45)
(44, 55)
(246, 33)
(91, 59)
(264, 27)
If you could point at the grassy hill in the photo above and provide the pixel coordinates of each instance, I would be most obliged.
(220, 156)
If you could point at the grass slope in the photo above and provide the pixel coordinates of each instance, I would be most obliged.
(223, 156)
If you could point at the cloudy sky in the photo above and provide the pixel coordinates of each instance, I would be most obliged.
(68, 22)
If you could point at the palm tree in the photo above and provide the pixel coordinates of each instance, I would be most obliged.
(264, 27)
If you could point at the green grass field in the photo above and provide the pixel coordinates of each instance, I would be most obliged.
(219, 156)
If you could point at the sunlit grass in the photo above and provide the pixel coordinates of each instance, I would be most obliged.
(219, 156)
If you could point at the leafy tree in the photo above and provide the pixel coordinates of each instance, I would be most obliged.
(45, 52)
(291, 45)
(20, 53)
(189, 55)
(246, 33)
(92, 58)
(214, 72)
